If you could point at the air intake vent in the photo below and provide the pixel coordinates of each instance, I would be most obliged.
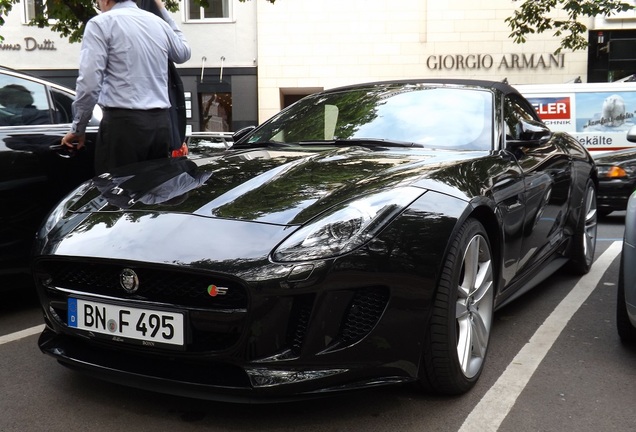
(364, 312)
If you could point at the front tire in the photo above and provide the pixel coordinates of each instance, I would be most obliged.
(459, 332)
(584, 238)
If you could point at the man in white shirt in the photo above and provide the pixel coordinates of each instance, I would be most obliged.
(124, 69)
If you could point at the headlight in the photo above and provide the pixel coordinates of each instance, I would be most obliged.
(616, 171)
(62, 207)
(345, 227)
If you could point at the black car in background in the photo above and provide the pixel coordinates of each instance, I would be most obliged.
(35, 171)
(363, 236)
(616, 177)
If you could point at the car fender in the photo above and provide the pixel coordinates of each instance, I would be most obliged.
(629, 258)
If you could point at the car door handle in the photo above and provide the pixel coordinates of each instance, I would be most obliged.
(63, 151)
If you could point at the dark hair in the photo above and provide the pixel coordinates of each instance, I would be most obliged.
(16, 95)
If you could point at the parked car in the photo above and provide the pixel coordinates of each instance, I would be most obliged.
(626, 299)
(363, 236)
(206, 143)
(616, 177)
(35, 171)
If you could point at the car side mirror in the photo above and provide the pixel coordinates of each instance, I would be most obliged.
(530, 133)
(631, 134)
(242, 133)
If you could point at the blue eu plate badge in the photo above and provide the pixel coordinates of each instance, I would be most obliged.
(72, 312)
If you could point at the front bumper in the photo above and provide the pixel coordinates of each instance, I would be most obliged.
(614, 194)
(277, 341)
(203, 378)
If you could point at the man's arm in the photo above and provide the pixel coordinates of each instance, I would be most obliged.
(179, 49)
(93, 59)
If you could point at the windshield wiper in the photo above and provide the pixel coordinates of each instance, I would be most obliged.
(366, 142)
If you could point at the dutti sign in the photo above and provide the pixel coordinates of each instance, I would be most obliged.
(510, 61)
(29, 44)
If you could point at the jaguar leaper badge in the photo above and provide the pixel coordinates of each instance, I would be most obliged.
(129, 280)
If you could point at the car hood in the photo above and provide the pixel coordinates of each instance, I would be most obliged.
(282, 186)
(615, 157)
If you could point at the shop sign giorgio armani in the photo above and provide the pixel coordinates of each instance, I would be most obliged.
(493, 61)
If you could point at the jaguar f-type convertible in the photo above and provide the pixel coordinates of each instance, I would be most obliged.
(363, 236)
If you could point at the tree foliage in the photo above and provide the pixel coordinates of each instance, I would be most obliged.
(71, 16)
(536, 16)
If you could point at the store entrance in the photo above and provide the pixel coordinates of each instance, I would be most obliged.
(216, 112)
(611, 55)
(215, 107)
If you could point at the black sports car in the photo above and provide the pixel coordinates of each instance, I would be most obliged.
(363, 236)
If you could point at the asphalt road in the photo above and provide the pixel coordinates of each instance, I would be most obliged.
(555, 364)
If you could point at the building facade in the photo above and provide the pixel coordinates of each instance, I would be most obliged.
(220, 79)
(306, 45)
(251, 59)
(612, 49)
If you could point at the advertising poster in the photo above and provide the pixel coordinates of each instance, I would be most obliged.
(598, 120)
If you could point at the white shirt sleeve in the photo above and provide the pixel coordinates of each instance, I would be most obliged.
(93, 58)
(179, 48)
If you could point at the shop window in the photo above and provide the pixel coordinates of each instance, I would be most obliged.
(216, 112)
(290, 95)
(290, 99)
(214, 11)
(33, 8)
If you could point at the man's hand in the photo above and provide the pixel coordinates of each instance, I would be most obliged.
(73, 141)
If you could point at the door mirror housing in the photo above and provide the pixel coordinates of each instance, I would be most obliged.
(530, 133)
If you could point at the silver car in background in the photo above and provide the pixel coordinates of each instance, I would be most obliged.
(626, 302)
(201, 144)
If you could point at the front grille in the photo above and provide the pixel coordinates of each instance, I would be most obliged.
(215, 323)
(155, 284)
(218, 323)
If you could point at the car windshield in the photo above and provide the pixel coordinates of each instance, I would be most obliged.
(419, 114)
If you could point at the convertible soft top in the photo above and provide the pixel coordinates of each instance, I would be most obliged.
(496, 85)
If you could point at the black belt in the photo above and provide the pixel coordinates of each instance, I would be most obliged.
(152, 110)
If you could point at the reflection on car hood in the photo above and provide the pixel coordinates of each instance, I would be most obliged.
(282, 186)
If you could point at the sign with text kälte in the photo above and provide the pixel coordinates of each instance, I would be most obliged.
(598, 115)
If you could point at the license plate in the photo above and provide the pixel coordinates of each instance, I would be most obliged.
(127, 324)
